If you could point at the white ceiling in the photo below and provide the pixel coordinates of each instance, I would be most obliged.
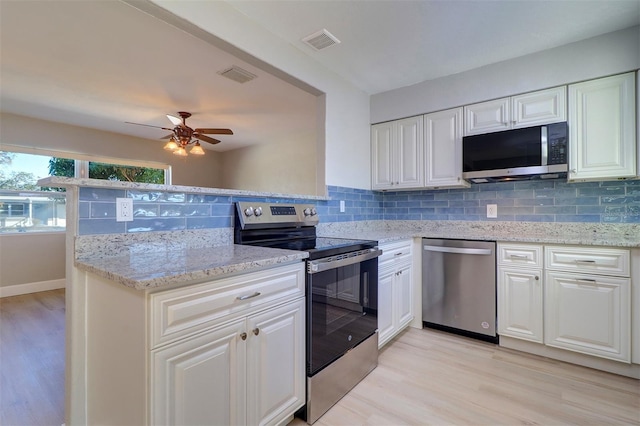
(98, 64)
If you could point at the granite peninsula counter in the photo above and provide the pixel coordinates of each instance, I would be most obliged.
(162, 267)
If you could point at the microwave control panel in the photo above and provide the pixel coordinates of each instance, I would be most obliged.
(557, 144)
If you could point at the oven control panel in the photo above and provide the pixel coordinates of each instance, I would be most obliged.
(254, 214)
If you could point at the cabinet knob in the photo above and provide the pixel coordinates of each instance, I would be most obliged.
(243, 336)
(574, 171)
(256, 331)
(537, 278)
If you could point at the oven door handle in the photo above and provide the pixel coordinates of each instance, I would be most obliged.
(332, 262)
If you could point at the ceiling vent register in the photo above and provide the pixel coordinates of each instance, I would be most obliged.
(237, 74)
(321, 40)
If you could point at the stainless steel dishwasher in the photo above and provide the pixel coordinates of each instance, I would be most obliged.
(459, 286)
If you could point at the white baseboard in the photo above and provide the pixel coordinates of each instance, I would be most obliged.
(18, 289)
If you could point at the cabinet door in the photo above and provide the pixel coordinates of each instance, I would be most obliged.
(201, 380)
(589, 314)
(382, 155)
(276, 376)
(443, 148)
(385, 305)
(485, 117)
(602, 136)
(520, 304)
(410, 153)
(541, 107)
(403, 295)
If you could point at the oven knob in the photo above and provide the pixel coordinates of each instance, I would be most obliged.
(248, 211)
(307, 212)
(258, 211)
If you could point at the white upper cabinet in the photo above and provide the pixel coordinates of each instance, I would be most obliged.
(443, 149)
(602, 128)
(397, 150)
(541, 107)
(486, 117)
(382, 155)
(529, 109)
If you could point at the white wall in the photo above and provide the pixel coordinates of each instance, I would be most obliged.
(347, 121)
(608, 54)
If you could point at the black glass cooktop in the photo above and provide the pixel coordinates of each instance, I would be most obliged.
(317, 247)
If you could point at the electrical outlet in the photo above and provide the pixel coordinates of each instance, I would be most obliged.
(124, 209)
(342, 206)
(492, 210)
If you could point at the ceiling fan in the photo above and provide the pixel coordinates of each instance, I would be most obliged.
(182, 135)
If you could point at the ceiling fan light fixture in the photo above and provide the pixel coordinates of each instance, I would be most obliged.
(171, 145)
(181, 152)
(197, 149)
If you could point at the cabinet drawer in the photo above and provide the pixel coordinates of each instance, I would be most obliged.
(604, 261)
(180, 312)
(397, 250)
(520, 254)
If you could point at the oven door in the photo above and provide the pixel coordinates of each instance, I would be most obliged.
(342, 305)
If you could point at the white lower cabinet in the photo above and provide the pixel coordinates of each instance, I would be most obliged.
(395, 290)
(589, 314)
(248, 372)
(201, 380)
(583, 304)
(228, 351)
(520, 309)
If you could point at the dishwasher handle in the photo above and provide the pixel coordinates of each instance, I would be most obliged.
(459, 250)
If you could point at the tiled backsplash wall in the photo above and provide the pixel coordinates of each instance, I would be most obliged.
(540, 201)
(530, 201)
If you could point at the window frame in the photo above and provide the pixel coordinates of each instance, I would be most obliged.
(82, 160)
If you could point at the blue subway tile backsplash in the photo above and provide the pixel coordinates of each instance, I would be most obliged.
(531, 201)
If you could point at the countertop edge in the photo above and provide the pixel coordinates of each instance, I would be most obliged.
(189, 276)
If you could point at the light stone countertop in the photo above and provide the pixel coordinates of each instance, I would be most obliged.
(155, 259)
(159, 268)
(60, 181)
(607, 235)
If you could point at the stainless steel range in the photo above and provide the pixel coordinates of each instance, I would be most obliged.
(341, 297)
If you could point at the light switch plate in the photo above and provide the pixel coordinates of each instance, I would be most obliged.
(124, 209)
(492, 211)
(342, 206)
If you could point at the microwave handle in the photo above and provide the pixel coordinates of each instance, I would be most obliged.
(544, 145)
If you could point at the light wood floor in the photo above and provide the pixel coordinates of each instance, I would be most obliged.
(32, 359)
(426, 377)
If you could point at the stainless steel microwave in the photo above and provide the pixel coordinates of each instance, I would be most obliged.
(519, 154)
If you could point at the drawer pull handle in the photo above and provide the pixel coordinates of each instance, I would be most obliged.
(586, 280)
(584, 261)
(519, 256)
(398, 254)
(243, 336)
(249, 296)
(256, 331)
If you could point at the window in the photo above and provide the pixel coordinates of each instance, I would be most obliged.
(25, 207)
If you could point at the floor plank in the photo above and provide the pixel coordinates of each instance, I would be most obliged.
(32, 359)
(427, 377)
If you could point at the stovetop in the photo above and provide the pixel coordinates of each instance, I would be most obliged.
(319, 247)
(289, 226)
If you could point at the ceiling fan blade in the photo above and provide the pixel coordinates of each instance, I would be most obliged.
(167, 137)
(214, 131)
(175, 120)
(149, 125)
(206, 138)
